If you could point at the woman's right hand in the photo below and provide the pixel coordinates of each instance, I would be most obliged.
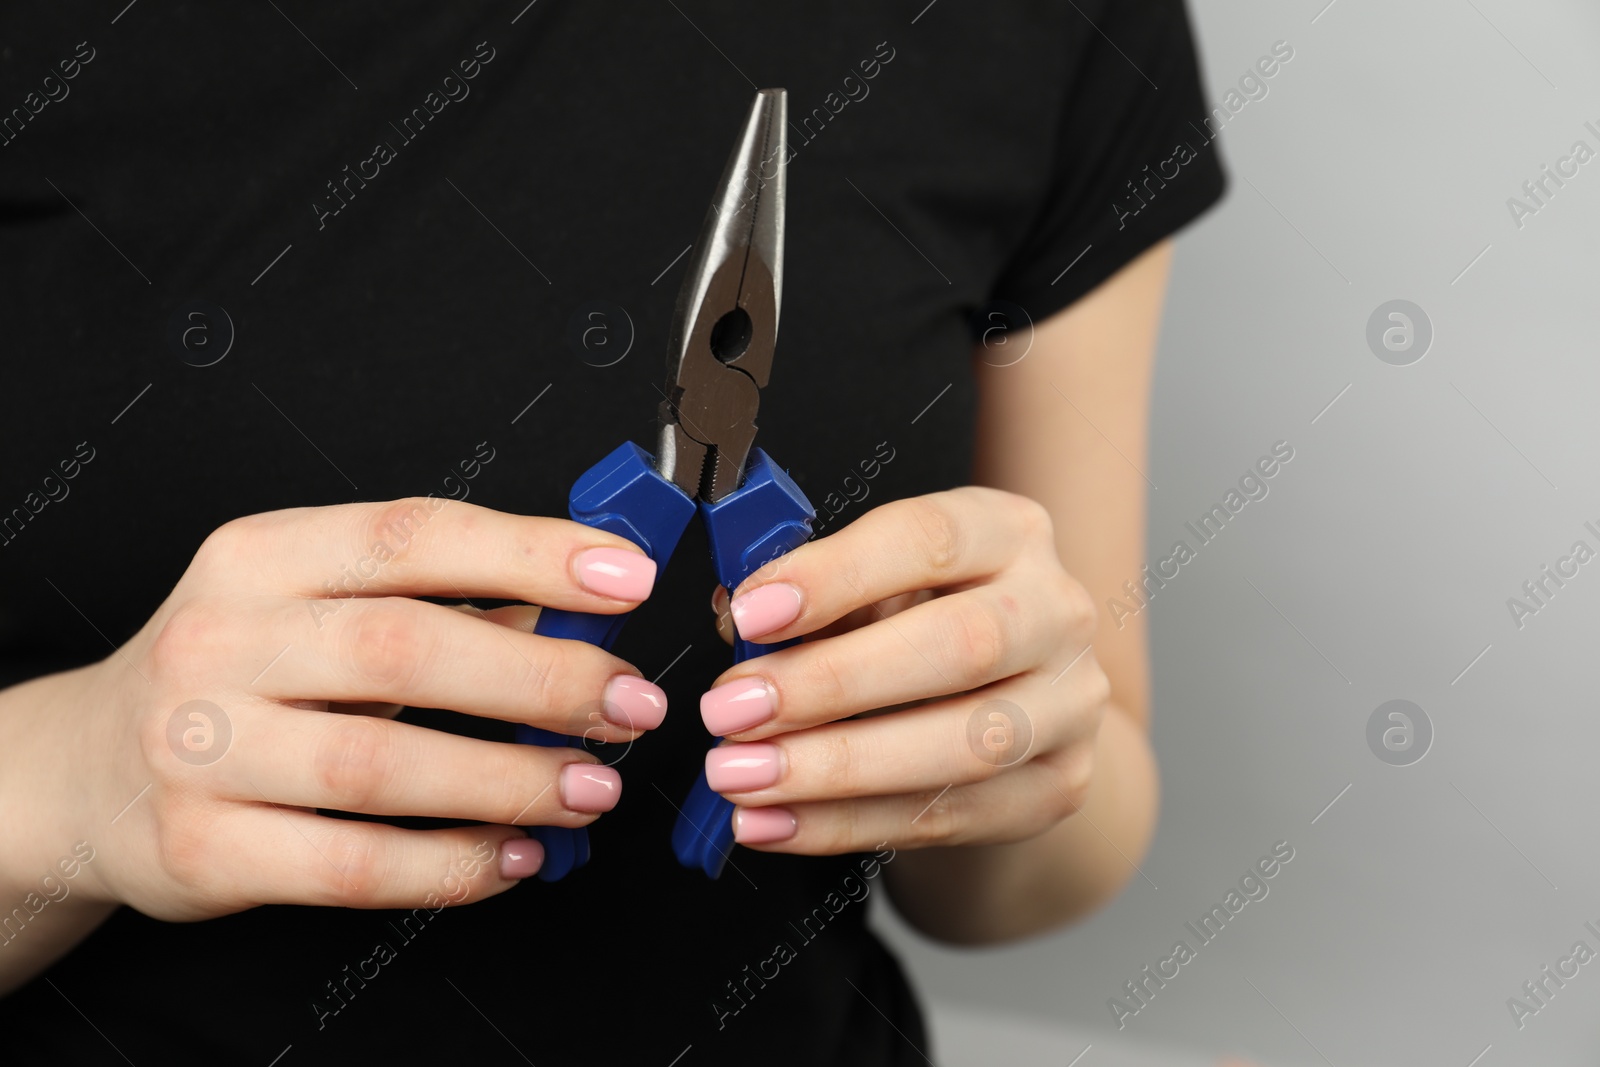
(299, 633)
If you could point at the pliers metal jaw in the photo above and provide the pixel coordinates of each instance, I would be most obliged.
(724, 333)
(725, 328)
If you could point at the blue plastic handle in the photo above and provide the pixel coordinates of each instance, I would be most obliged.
(625, 495)
(763, 519)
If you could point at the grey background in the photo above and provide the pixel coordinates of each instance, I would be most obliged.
(1378, 167)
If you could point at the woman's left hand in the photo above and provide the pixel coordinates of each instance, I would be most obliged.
(952, 616)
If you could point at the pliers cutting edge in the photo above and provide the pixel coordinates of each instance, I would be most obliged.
(724, 331)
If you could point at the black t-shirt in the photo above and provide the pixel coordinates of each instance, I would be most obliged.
(262, 256)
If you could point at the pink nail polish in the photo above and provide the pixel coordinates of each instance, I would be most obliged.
(521, 857)
(634, 703)
(764, 610)
(763, 826)
(590, 787)
(738, 705)
(742, 768)
(616, 572)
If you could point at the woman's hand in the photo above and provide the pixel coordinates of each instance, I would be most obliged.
(952, 614)
(192, 761)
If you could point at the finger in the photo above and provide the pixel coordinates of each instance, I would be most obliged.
(381, 767)
(1011, 807)
(939, 541)
(964, 739)
(313, 859)
(426, 546)
(844, 624)
(948, 644)
(521, 617)
(427, 656)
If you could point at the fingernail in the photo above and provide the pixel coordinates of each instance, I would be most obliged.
(634, 703)
(741, 768)
(521, 857)
(764, 610)
(616, 572)
(590, 787)
(762, 826)
(738, 705)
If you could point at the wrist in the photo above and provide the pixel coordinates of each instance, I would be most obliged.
(45, 771)
(49, 900)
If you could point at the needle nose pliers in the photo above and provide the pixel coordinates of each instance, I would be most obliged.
(724, 331)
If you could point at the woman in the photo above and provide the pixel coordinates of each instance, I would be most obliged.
(334, 305)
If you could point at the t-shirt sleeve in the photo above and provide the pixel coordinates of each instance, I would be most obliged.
(1135, 160)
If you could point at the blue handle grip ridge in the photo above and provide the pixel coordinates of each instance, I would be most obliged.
(622, 494)
(763, 519)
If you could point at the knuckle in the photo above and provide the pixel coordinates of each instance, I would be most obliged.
(1076, 607)
(851, 830)
(353, 763)
(1097, 686)
(150, 733)
(848, 568)
(177, 782)
(939, 533)
(972, 768)
(1073, 777)
(552, 679)
(826, 685)
(187, 639)
(229, 544)
(351, 874)
(183, 847)
(519, 784)
(395, 526)
(941, 817)
(833, 758)
(982, 636)
(383, 645)
(1033, 518)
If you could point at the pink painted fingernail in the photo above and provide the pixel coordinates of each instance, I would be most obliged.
(762, 826)
(741, 768)
(521, 857)
(590, 787)
(634, 703)
(764, 610)
(616, 572)
(738, 705)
